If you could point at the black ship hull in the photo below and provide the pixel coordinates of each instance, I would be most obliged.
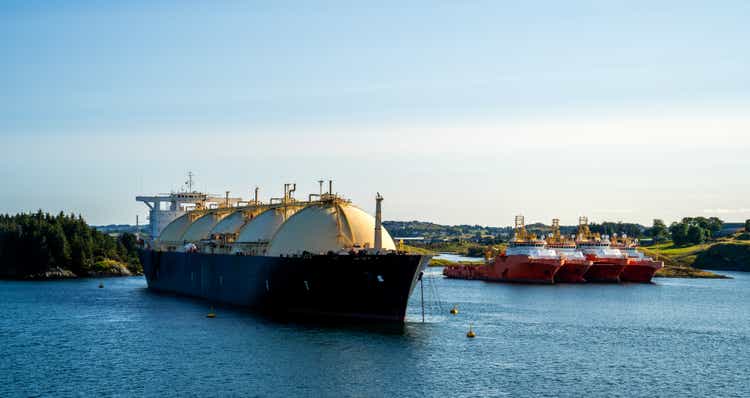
(371, 288)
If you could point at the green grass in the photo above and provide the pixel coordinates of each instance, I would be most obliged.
(460, 248)
(435, 262)
(441, 262)
(106, 264)
(678, 260)
(669, 249)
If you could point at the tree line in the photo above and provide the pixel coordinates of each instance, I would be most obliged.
(620, 228)
(33, 243)
(688, 231)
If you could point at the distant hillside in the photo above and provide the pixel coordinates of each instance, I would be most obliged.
(120, 228)
(729, 256)
(731, 253)
(432, 231)
(478, 233)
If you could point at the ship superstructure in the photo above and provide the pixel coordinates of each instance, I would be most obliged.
(165, 208)
(321, 256)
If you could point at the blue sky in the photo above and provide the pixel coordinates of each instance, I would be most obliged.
(458, 111)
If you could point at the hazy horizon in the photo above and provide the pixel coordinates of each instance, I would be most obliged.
(457, 112)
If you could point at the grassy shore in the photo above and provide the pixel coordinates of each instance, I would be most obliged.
(678, 260)
(435, 262)
(418, 250)
(441, 262)
(468, 249)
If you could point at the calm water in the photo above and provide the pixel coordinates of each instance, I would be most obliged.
(675, 338)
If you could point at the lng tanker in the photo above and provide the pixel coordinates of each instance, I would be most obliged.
(321, 258)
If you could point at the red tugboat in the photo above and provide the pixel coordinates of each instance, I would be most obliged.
(641, 267)
(575, 265)
(525, 260)
(608, 262)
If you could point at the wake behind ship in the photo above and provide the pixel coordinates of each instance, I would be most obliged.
(322, 258)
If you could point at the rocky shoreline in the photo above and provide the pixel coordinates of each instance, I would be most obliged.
(56, 273)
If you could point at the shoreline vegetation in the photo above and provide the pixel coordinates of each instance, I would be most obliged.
(43, 246)
(40, 246)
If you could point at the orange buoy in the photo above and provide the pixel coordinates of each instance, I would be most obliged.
(470, 334)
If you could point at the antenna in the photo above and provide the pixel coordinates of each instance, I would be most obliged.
(189, 182)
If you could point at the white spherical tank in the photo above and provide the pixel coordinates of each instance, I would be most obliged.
(232, 223)
(173, 232)
(320, 228)
(201, 227)
(262, 227)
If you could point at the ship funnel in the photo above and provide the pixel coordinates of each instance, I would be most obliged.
(378, 222)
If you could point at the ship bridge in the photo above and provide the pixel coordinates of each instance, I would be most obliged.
(165, 208)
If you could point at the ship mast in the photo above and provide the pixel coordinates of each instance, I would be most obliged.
(378, 222)
(520, 230)
(584, 233)
(555, 231)
(189, 182)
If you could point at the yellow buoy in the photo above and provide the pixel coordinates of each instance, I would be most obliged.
(471, 333)
(211, 313)
(454, 310)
